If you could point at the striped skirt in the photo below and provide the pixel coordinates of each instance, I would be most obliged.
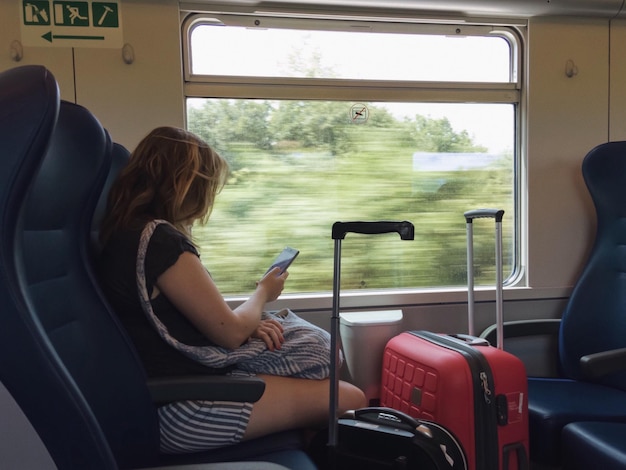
(192, 426)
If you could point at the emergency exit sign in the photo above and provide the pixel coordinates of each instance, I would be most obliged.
(65, 23)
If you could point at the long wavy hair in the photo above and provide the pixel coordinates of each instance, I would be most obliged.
(172, 175)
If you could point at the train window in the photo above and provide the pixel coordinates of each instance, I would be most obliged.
(338, 120)
(262, 52)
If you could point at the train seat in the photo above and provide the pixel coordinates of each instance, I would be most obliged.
(553, 403)
(594, 445)
(592, 331)
(592, 334)
(65, 359)
(29, 106)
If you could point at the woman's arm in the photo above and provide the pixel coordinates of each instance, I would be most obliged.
(189, 287)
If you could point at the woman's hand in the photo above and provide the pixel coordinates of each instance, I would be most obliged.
(271, 332)
(272, 284)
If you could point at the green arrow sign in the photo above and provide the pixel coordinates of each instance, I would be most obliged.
(71, 23)
(49, 37)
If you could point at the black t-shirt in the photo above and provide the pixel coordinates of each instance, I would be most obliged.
(117, 270)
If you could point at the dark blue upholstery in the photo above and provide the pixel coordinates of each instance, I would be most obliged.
(594, 445)
(63, 356)
(52, 250)
(119, 158)
(595, 317)
(30, 367)
(29, 105)
(593, 321)
(553, 403)
(60, 287)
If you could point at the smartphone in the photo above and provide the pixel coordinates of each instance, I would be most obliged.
(284, 259)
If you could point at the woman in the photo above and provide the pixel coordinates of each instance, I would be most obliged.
(175, 176)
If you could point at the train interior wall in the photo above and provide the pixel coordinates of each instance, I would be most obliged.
(565, 118)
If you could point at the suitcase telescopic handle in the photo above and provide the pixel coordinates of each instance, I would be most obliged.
(405, 229)
(484, 214)
(496, 214)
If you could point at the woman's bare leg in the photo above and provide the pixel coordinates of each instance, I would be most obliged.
(290, 403)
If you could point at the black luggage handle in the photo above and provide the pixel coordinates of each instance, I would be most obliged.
(520, 452)
(484, 214)
(470, 339)
(387, 416)
(405, 228)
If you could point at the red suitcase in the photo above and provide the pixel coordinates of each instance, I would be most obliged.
(476, 391)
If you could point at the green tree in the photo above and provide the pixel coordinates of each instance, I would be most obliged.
(312, 124)
(222, 121)
(437, 135)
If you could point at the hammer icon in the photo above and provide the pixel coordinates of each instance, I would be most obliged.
(107, 10)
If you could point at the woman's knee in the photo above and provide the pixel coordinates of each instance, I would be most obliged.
(303, 397)
(350, 397)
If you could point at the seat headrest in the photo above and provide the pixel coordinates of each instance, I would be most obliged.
(65, 181)
(604, 170)
(29, 105)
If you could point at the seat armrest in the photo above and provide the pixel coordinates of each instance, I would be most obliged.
(516, 329)
(206, 387)
(534, 342)
(594, 366)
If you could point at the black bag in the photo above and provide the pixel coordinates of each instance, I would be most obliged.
(379, 438)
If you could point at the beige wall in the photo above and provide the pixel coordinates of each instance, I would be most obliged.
(129, 100)
(618, 79)
(566, 118)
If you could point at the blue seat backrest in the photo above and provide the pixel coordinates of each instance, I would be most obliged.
(595, 317)
(119, 159)
(29, 105)
(60, 286)
(63, 356)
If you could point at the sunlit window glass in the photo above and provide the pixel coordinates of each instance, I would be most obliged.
(348, 55)
(299, 166)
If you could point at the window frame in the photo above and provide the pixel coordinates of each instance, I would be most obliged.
(277, 88)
